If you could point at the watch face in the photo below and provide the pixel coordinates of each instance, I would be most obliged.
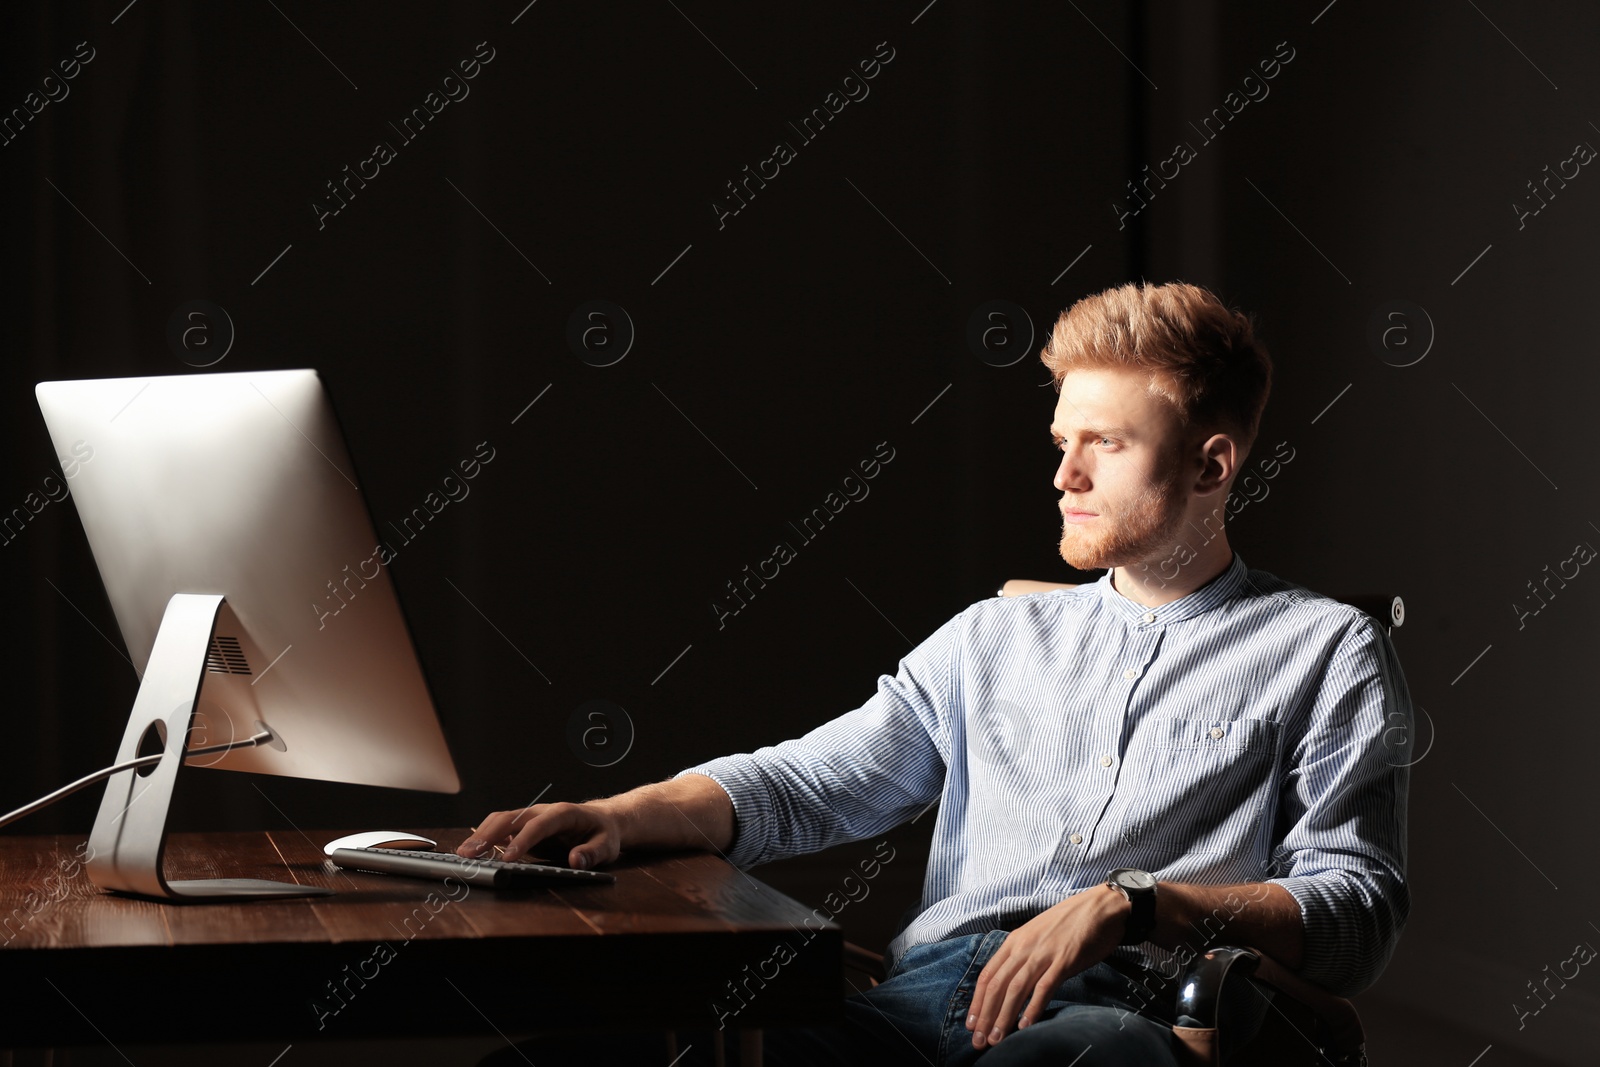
(1135, 879)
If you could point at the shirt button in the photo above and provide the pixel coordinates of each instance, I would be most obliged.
(1130, 673)
(1105, 761)
(1076, 839)
(1149, 616)
(1217, 732)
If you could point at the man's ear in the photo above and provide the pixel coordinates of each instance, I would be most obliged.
(1220, 457)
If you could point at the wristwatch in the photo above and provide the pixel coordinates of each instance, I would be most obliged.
(1140, 889)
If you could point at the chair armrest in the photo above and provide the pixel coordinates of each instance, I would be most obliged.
(1019, 586)
(1343, 1039)
(864, 961)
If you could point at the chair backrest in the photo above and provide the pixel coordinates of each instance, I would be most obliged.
(1388, 610)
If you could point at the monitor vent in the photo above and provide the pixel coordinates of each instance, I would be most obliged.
(226, 657)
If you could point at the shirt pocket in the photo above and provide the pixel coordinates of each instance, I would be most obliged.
(1199, 786)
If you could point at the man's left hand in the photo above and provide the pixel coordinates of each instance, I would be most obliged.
(1038, 955)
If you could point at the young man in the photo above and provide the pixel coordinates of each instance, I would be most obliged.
(1217, 729)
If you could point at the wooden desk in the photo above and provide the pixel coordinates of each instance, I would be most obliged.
(394, 956)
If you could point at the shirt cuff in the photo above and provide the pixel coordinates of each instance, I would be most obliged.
(752, 805)
(1334, 953)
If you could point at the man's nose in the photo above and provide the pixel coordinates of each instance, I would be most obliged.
(1070, 473)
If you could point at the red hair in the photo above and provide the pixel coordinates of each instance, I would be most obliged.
(1199, 356)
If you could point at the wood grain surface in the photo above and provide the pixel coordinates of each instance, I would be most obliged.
(680, 939)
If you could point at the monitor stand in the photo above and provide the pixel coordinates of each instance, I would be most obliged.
(130, 833)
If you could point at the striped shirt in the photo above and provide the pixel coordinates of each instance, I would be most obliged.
(1250, 731)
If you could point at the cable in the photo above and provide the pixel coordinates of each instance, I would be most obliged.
(142, 761)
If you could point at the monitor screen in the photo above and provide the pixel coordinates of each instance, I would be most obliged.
(240, 485)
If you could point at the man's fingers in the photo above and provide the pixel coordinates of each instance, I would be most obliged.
(570, 824)
(1021, 992)
(585, 834)
(1009, 1005)
(483, 835)
(980, 991)
(495, 829)
(552, 820)
(987, 997)
(1043, 994)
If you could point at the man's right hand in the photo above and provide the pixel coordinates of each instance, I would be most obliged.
(589, 834)
(687, 812)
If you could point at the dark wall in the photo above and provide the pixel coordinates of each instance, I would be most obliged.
(778, 348)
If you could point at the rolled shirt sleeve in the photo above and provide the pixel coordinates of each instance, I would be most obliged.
(852, 777)
(1344, 803)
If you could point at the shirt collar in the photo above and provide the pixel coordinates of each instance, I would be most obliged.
(1217, 591)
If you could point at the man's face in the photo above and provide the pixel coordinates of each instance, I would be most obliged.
(1121, 476)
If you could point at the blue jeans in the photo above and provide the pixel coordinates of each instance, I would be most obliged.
(918, 1016)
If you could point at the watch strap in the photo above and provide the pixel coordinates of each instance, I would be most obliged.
(1141, 920)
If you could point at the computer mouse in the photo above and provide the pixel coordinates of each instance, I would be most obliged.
(381, 839)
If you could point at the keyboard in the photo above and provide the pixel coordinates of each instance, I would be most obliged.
(495, 874)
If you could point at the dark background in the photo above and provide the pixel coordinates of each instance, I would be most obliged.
(775, 352)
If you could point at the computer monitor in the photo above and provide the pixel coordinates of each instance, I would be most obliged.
(253, 595)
